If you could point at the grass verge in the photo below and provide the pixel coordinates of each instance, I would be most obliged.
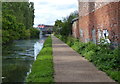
(42, 69)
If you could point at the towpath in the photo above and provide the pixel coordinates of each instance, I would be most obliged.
(69, 66)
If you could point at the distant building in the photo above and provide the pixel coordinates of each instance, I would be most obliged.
(99, 20)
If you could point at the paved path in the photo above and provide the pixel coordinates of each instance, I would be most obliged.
(71, 67)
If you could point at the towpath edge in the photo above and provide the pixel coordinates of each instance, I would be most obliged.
(69, 66)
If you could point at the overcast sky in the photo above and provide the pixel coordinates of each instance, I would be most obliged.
(47, 11)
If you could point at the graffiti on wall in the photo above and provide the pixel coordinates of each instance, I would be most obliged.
(103, 36)
(94, 36)
(81, 33)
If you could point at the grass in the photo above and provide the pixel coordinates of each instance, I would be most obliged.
(104, 58)
(42, 69)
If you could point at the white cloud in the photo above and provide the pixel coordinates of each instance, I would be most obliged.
(47, 11)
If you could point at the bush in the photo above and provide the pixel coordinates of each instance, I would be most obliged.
(34, 33)
(70, 41)
(114, 74)
(89, 55)
(75, 47)
(5, 36)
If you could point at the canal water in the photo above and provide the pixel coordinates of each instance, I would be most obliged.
(18, 57)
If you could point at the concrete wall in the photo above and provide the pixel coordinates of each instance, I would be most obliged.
(75, 29)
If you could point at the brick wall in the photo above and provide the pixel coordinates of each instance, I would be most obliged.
(87, 7)
(106, 17)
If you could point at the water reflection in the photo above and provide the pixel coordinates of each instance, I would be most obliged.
(37, 47)
(18, 58)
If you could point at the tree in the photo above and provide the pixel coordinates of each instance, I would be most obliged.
(17, 21)
(65, 25)
(57, 27)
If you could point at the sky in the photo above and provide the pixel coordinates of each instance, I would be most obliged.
(48, 11)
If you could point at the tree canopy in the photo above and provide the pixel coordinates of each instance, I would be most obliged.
(17, 20)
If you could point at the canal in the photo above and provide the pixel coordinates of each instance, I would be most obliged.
(18, 57)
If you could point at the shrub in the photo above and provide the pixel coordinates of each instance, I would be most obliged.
(71, 41)
(89, 55)
(5, 36)
(114, 74)
(34, 33)
(75, 46)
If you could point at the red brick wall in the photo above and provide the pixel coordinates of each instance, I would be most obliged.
(106, 17)
(88, 7)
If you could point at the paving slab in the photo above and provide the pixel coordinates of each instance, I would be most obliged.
(69, 66)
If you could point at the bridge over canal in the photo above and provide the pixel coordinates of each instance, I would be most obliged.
(45, 29)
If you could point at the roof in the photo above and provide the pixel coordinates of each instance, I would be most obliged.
(75, 19)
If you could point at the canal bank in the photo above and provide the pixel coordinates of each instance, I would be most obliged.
(42, 68)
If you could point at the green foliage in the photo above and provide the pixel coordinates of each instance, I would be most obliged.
(114, 74)
(9, 22)
(5, 36)
(9, 28)
(17, 21)
(106, 59)
(88, 55)
(23, 11)
(57, 27)
(71, 41)
(24, 33)
(42, 69)
(34, 33)
(64, 27)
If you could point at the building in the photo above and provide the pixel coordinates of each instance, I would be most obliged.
(75, 28)
(97, 21)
